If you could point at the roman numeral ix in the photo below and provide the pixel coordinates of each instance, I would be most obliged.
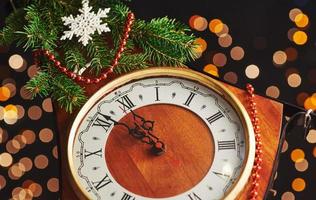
(100, 184)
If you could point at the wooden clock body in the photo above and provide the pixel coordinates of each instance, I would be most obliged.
(270, 113)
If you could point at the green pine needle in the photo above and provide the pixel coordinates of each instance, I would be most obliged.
(37, 24)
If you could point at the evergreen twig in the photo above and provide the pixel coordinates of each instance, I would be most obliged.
(37, 24)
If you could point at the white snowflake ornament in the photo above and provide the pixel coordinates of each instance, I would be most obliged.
(85, 24)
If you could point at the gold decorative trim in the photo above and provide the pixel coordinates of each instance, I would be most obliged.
(184, 73)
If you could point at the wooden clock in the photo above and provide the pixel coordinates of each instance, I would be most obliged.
(161, 133)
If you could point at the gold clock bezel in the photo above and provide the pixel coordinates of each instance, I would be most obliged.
(184, 73)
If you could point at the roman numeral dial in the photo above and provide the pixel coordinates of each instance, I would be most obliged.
(203, 134)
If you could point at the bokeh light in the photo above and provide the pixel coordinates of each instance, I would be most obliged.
(294, 80)
(16, 62)
(216, 26)
(219, 59)
(237, 53)
(301, 20)
(300, 37)
(4, 93)
(201, 46)
(224, 31)
(279, 58)
(211, 69)
(308, 104)
(273, 91)
(252, 71)
(5, 159)
(225, 40)
(231, 77)
(293, 13)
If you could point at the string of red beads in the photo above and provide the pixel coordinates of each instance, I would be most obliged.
(255, 174)
(50, 56)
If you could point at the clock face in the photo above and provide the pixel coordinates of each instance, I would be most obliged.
(158, 138)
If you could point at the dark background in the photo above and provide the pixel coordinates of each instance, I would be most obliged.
(248, 21)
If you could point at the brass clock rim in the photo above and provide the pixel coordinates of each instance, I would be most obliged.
(170, 72)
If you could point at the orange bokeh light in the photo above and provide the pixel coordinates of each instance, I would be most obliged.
(211, 69)
(301, 20)
(216, 25)
(4, 93)
(300, 37)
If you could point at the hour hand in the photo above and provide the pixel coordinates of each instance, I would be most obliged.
(109, 118)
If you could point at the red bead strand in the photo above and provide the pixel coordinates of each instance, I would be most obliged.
(255, 174)
(50, 56)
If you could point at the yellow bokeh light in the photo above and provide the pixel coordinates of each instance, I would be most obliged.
(211, 69)
(4, 93)
(300, 37)
(301, 20)
(10, 107)
(10, 117)
(308, 104)
(216, 26)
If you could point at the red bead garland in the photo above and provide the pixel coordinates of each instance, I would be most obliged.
(50, 56)
(255, 174)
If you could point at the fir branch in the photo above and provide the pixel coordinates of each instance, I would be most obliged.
(40, 84)
(36, 32)
(74, 59)
(14, 22)
(165, 41)
(38, 25)
(67, 93)
(131, 62)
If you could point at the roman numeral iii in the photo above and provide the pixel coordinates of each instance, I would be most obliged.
(226, 145)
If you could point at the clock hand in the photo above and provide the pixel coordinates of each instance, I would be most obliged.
(142, 133)
(146, 127)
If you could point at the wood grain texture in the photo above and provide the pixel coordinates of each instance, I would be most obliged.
(270, 114)
(188, 158)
